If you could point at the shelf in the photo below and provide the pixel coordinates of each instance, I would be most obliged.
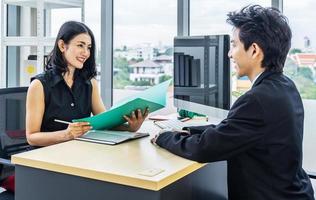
(48, 4)
(195, 91)
(28, 41)
(31, 19)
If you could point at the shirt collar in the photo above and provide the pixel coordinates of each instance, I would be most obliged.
(254, 80)
(263, 76)
(57, 78)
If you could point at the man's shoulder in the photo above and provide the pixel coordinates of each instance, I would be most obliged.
(250, 98)
(276, 93)
(274, 85)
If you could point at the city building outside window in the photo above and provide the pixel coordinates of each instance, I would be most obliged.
(143, 45)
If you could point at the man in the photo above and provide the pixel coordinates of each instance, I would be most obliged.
(261, 138)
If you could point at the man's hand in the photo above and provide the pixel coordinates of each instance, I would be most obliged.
(153, 140)
(183, 132)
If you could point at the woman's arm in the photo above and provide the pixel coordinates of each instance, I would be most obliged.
(97, 103)
(35, 108)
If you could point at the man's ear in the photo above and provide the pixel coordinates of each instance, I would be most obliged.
(256, 51)
(61, 45)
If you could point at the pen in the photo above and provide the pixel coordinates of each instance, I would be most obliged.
(185, 119)
(61, 121)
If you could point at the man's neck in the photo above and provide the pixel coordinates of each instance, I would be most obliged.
(255, 73)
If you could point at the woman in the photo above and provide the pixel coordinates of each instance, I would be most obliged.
(67, 90)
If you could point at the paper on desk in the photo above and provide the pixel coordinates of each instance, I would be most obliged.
(153, 98)
(151, 172)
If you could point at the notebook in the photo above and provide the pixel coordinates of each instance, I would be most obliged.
(110, 137)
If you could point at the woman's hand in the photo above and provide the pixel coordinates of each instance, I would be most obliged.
(77, 129)
(136, 119)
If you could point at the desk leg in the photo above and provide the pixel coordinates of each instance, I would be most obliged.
(210, 182)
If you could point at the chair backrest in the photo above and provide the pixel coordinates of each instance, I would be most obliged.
(12, 125)
(6, 195)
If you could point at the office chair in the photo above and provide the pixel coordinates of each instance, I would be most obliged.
(12, 131)
(6, 195)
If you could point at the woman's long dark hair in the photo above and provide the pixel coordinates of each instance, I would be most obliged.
(67, 32)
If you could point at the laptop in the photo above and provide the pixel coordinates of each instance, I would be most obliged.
(110, 137)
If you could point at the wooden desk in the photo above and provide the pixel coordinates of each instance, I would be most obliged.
(83, 170)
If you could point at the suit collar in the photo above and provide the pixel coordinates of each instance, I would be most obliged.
(264, 75)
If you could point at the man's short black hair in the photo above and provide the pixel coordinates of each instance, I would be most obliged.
(267, 27)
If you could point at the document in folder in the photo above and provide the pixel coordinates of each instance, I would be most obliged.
(153, 98)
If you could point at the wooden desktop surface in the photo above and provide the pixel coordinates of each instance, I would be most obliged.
(131, 163)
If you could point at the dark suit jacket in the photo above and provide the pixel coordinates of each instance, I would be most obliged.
(261, 139)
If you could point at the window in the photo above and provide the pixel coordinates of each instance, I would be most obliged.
(209, 17)
(301, 68)
(61, 15)
(91, 17)
(24, 21)
(143, 43)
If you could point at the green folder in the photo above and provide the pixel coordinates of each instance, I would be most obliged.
(153, 98)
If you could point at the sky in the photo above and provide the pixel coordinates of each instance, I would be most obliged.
(154, 21)
(301, 15)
